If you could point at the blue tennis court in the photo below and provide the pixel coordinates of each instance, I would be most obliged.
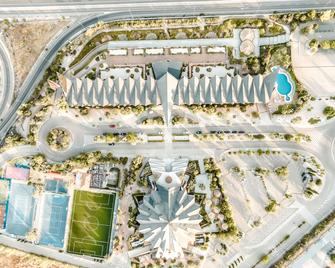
(21, 207)
(54, 219)
(55, 186)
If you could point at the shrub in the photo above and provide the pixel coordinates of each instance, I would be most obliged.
(265, 259)
(314, 120)
(281, 171)
(271, 207)
(329, 112)
(259, 136)
(288, 137)
(255, 114)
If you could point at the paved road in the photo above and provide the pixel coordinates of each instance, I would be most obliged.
(147, 8)
(7, 76)
(176, 9)
(21, 8)
(180, 8)
(54, 254)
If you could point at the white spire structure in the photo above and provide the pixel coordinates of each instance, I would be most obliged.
(169, 218)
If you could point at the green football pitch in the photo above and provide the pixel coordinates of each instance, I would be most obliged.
(91, 223)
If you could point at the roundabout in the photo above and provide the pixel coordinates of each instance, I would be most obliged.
(59, 139)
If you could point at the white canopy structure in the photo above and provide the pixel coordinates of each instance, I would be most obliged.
(169, 218)
(168, 90)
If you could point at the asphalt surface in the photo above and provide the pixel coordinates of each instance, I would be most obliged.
(136, 11)
(166, 9)
(7, 73)
(31, 8)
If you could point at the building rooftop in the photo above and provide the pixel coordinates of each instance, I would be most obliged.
(17, 173)
(169, 218)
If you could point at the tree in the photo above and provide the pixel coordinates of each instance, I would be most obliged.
(288, 137)
(326, 15)
(265, 259)
(314, 120)
(132, 138)
(310, 28)
(281, 171)
(312, 14)
(272, 206)
(314, 44)
(325, 44)
(332, 257)
(329, 112)
(262, 172)
(259, 136)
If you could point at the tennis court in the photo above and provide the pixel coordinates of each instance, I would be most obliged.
(54, 219)
(91, 223)
(4, 195)
(55, 186)
(4, 189)
(21, 206)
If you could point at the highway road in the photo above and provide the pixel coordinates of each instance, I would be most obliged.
(24, 8)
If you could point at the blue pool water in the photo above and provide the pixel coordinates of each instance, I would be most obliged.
(285, 84)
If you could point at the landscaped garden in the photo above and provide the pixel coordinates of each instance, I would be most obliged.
(59, 139)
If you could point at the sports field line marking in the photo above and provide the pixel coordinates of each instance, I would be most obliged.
(111, 224)
(92, 194)
(98, 224)
(89, 241)
(75, 203)
(94, 253)
(91, 206)
(72, 213)
(56, 219)
(91, 238)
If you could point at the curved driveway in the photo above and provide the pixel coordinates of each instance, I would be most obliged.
(47, 56)
(17, 152)
(150, 9)
(322, 147)
(7, 76)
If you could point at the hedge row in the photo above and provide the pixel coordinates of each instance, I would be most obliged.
(305, 241)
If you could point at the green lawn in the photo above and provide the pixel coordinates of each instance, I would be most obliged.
(91, 223)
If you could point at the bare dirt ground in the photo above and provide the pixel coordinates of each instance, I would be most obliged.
(12, 258)
(26, 40)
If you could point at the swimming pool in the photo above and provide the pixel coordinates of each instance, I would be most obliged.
(284, 84)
